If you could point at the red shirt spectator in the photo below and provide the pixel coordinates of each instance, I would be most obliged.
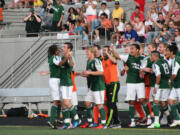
(137, 12)
(141, 4)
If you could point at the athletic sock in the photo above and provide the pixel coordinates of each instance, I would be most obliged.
(166, 110)
(174, 112)
(178, 106)
(53, 113)
(103, 116)
(73, 113)
(156, 109)
(58, 112)
(66, 116)
(89, 115)
(131, 111)
(146, 109)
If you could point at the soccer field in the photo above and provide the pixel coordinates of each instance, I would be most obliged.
(26, 130)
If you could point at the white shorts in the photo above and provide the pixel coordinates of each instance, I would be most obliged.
(55, 89)
(66, 92)
(162, 94)
(175, 94)
(96, 97)
(135, 89)
(74, 99)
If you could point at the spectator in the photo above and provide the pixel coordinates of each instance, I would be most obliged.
(118, 12)
(104, 10)
(140, 4)
(85, 39)
(43, 10)
(2, 3)
(175, 11)
(171, 27)
(140, 28)
(58, 15)
(91, 13)
(177, 37)
(105, 26)
(130, 34)
(72, 14)
(137, 13)
(163, 35)
(118, 31)
(154, 4)
(164, 7)
(157, 25)
(16, 4)
(79, 29)
(33, 23)
(151, 15)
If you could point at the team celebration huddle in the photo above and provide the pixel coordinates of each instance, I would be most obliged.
(153, 86)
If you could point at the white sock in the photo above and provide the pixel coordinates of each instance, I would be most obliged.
(156, 119)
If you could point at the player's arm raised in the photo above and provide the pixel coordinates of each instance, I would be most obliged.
(112, 59)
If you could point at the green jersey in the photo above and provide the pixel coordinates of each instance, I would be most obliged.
(176, 71)
(150, 78)
(55, 70)
(58, 12)
(133, 64)
(66, 70)
(96, 82)
(161, 67)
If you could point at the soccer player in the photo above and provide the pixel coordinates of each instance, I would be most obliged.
(66, 88)
(135, 84)
(174, 97)
(161, 90)
(94, 71)
(111, 79)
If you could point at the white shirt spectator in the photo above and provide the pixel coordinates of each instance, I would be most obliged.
(90, 10)
(140, 32)
(120, 27)
(165, 8)
(105, 11)
(154, 16)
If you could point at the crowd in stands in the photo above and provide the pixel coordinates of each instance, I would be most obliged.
(160, 23)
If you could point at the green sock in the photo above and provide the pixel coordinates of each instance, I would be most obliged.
(146, 109)
(89, 114)
(58, 112)
(131, 111)
(178, 107)
(174, 112)
(53, 113)
(156, 109)
(73, 113)
(103, 116)
(66, 116)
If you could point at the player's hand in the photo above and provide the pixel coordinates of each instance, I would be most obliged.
(169, 83)
(123, 72)
(141, 75)
(126, 68)
(59, 24)
(155, 91)
(86, 72)
(111, 48)
(44, 73)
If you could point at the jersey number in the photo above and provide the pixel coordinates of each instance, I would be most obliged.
(166, 68)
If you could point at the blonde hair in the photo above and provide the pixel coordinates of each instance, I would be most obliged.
(92, 49)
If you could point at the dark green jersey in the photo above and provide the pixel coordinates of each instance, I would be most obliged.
(176, 71)
(58, 12)
(161, 67)
(55, 70)
(133, 64)
(66, 70)
(96, 82)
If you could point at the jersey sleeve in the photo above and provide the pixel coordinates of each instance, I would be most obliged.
(144, 63)
(156, 69)
(98, 65)
(56, 60)
(175, 68)
(124, 57)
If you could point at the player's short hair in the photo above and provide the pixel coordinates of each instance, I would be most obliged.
(116, 19)
(136, 45)
(173, 48)
(92, 49)
(52, 50)
(98, 46)
(70, 46)
(164, 44)
(153, 45)
(156, 53)
(141, 45)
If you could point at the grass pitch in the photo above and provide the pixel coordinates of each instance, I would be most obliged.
(27, 130)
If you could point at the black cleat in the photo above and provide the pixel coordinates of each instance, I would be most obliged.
(53, 126)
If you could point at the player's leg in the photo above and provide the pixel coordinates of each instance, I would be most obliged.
(55, 94)
(130, 97)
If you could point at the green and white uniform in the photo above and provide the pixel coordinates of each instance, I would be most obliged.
(97, 85)
(55, 73)
(161, 67)
(66, 84)
(135, 85)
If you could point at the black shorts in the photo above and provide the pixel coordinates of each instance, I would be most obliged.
(54, 26)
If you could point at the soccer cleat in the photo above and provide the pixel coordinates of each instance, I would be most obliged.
(86, 125)
(100, 126)
(95, 124)
(115, 126)
(75, 124)
(175, 123)
(154, 125)
(65, 127)
(133, 124)
(141, 122)
(53, 126)
(149, 121)
(164, 121)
